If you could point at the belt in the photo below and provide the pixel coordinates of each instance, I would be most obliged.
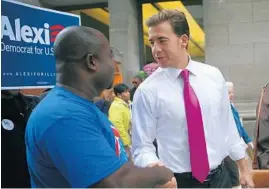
(211, 174)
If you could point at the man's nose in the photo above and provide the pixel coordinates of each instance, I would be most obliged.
(156, 48)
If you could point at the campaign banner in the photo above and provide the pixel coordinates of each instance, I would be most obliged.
(28, 34)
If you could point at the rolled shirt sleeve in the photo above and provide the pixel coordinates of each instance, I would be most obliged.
(144, 120)
(235, 147)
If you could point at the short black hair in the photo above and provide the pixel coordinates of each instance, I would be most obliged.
(71, 48)
(120, 88)
(74, 42)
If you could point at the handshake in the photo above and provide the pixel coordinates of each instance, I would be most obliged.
(170, 181)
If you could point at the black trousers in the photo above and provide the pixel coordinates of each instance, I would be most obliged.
(232, 168)
(219, 180)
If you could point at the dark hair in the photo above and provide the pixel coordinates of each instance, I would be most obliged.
(72, 46)
(75, 42)
(138, 77)
(120, 88)
(176, 18)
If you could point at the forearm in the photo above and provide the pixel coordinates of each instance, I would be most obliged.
(143, 150)
(137, 177)
(242, 165)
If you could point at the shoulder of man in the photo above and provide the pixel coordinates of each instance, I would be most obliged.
(209, 71)
(152, 81)
(206, 67)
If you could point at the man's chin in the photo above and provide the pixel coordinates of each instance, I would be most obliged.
(163, 64)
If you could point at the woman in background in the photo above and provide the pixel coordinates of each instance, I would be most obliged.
(104, 102)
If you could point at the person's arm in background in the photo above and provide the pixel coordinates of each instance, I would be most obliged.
(241, 129)
(116, 116)
(263, 137)
(246, 138)
(85, 158)
(144, 121)
(236, 150)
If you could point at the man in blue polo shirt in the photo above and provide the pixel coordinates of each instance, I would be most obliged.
(69, 141)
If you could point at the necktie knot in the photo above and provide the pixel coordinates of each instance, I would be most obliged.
(185, 75)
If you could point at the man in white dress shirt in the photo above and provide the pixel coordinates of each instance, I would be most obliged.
(184, 105)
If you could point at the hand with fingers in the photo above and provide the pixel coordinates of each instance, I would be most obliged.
(246, 180)
(170, 184)
(160, 164)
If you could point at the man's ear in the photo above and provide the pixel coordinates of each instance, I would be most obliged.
(185, 41)
(91, 62)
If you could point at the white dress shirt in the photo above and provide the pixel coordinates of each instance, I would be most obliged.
(159, 112)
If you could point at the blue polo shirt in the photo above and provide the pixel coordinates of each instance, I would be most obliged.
(71, 143)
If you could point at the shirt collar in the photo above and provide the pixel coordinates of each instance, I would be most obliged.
(120, 101)
(174, 72)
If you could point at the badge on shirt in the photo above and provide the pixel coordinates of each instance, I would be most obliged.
(117, 138)
(7, 124)
(120, 151)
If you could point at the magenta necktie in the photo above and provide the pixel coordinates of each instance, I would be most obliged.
(198, 153)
